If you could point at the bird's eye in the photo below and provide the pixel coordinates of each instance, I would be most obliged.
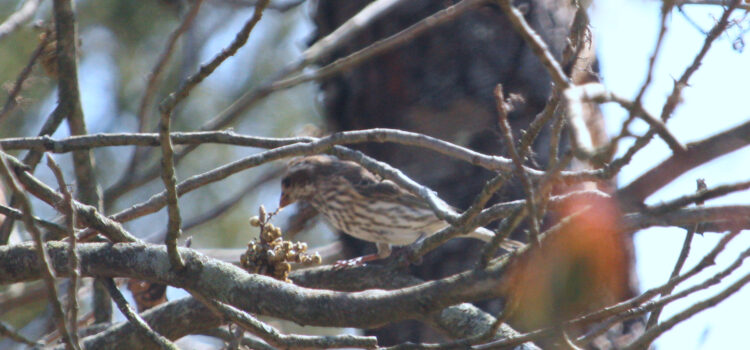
(285, 182)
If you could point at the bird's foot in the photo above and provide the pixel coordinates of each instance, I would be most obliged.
(355, 262)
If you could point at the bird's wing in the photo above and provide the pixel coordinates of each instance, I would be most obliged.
(371, 186)
(387, 190)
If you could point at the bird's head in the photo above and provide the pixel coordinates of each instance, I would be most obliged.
(299, 181)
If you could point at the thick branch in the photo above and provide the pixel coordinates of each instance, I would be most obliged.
(254, 293)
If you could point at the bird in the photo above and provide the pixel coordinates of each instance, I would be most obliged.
(361, 204)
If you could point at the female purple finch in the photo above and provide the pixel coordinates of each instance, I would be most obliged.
(359, 203)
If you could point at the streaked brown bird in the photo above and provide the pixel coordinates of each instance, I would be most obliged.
(361, 204)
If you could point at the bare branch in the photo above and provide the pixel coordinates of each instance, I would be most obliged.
(12, 213)
(41, 254)
(709, 2)
(153, 78)
(19, 17)
(142, 328)
(168, 176)
(672, 101)
(274, 337)
(227, 336)
(536, 44)
(90, 216)
(645, 340)
(255, 293)
(184, 90)
(11, 102)
(722, 218)
(598, 93)
(697, 153)
(381, 46)
(8, 331)
(156, 72)
(220, 208)
(507, 135)
(75, 270)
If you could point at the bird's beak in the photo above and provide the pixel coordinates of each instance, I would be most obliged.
(284, 200)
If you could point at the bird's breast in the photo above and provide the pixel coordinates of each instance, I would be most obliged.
(378, 221)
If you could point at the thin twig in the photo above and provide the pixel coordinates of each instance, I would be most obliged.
(638, 307)
(282, 6)
(156, 72)
(489, 189)
(378, 135)
(709, 2)
(699, 196)
(73, 258)
(651, 334)
(12, 213)
(654, 317)
(632, 307)
(128, 181)
(31, 160)
(676, 95)
(598, 93)
(287, 341)
(438, 18)
(89, 215)
(554, 140)
(674, 98)
(168, 176)
(19, 17)
(537, 45)
(8, 331)
(666, 9)
(220, 208)
(506, 228)
(251, 342)
(153, 78)
(507, 135)
(142, 328)
(697, 153)
(347, 30)
(205, 70)
(11, 102)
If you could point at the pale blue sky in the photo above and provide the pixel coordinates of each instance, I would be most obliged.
(625, 33)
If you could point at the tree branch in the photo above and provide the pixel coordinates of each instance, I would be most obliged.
(698, 153)
(255, 293)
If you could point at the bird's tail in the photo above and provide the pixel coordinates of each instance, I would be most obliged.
(486, 235)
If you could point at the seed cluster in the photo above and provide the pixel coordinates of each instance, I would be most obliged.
(271, 255)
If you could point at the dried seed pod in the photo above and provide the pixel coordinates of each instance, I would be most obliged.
(254, 221)
(316, 259)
